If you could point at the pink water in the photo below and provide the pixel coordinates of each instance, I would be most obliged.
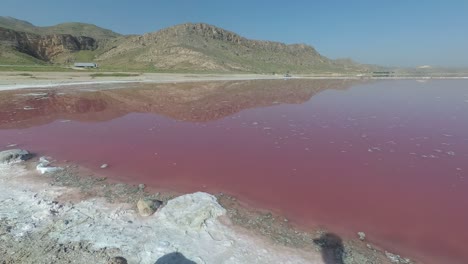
(388, 158)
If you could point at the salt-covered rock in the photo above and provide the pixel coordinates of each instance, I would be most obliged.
(192, 211)
(14, 155)
(43, 166)
(362, 236)
(44, 161)
(147, 207)
(396, 258)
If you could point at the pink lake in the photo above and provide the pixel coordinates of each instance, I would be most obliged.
(389, 158)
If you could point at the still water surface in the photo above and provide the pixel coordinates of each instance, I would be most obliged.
(389, 158)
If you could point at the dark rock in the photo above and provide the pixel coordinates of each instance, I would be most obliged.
(117, 260)
(12, 155)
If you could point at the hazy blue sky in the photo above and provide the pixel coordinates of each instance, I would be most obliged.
(391, 32)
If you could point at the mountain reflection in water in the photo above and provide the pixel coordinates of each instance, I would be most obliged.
(196, 102)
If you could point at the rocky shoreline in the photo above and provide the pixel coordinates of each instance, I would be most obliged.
(62, 216)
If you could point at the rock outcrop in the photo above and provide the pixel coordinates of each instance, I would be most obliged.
(43, 166)
(13, 155)
(45, 47)
(212, 32)
(147, 207)
(191, 212)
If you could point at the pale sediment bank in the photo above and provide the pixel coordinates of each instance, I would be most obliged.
(18, 80)
(38, 221)
(62, 217)
(25, 80)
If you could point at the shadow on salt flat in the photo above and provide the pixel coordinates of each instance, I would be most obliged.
(332, 248)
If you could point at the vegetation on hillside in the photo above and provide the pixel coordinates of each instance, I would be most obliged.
(182, 48)
(74, 29)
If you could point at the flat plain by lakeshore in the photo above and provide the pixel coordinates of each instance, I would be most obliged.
(20, 80)
(11, 80)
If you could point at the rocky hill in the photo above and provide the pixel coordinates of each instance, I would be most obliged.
(206, 47)
(186, 47)
(46, 47)
(74, 29)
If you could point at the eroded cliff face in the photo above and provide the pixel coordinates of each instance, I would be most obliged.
(45, 47)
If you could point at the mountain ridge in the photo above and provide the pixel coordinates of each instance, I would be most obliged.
(184, 47)
(76, 29)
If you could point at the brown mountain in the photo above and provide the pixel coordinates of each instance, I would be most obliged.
(74, 28)
(186, 47)
(206, 47)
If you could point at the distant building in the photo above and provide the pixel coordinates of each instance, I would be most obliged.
(85, 65)
(383, 74)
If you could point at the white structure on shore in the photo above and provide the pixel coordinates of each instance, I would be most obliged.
(85, 65)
